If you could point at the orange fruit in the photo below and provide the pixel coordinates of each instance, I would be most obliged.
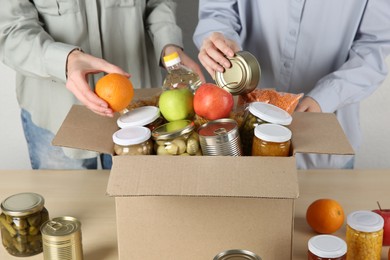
(325, 216)
(116, 90)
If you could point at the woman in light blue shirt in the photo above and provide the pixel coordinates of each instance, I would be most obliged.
(332, 51)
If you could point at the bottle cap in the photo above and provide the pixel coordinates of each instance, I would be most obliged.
(171, 59)
(365, 221)
(140, 116)
(270, 113)
(22, 204)
(327, 246)
(272, 133)
(131, 135)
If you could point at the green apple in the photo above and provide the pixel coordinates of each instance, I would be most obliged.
(177, 104)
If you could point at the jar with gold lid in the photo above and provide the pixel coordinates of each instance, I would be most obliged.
(364, 235)
(20, 222)
(260, 113)
(133, 140)
(326, 247)
(271, 140)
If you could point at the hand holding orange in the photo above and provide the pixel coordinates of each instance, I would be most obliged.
(116, 89)
(325, 216)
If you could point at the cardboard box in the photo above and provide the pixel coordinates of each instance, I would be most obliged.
(194, 207)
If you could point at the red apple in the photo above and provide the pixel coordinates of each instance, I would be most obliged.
(385, 213)
(212, 102)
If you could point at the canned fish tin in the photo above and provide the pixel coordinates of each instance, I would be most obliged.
(61, 239)
(220, 137)
(242, 77)
(20, 221)
(237, 254)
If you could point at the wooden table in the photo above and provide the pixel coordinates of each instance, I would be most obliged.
(81, 194)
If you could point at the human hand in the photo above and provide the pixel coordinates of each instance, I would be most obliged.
(79, 66)
(185, 60)
(308, 104)
(214, 51)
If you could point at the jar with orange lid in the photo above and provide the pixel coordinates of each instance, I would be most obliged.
(271, 140)
(364, 235)
(326, 247)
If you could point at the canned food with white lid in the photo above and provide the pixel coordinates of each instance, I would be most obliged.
(220, 137)
(327, 247)
(237, 254)
(176, 138)
(21, 218)
(271, 140)
(61, 239)
(133, 140)
(148, 116)
(259, 113)
(242, 77)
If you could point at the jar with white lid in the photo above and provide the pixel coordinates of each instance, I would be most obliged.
(148, 116)
(259, 113)
(271, 140)
(133, 140)
(326, 247)
(364, 235)
(20, 222)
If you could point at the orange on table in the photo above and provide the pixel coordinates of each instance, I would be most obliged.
(116, 89)
(325, 216)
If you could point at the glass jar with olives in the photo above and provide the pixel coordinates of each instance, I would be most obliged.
(133, 140)
(176, 138)
(259, 113)
(20, 222)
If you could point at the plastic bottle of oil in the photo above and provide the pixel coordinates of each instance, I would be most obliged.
(179, 76)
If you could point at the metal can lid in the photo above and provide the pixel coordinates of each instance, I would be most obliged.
(173, 129)
(237, 254)
(22, 204)
(273, 133)
(140, 116)
(131, 135)
(61, 226)
(365, 221)
(242, 77)
(217, 127)
(270, 113)
(327, 246)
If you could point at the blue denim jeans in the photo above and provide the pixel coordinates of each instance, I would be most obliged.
(43, 155)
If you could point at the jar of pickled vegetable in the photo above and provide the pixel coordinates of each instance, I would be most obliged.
(148, 116)
(326, 247)
(176, 138)
(364, 235)
(20, 222)
(259, 113)
(133, 140)
(271, 140)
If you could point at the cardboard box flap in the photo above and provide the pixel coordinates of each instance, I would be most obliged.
(226, 177)
(86, 130)
(318, 133)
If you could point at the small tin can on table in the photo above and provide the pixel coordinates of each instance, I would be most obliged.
(61, 239)
(237, 254)
(242, 77)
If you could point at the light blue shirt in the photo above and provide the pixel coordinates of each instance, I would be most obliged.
(333, 51)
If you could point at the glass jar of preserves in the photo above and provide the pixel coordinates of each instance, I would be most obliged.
(20, 222)
(326, 247)
(259, 113)
(271, 140)
(133, 140)
(148, 116)
(176, 138)
(364, 235)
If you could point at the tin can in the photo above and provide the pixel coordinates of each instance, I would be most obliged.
(242, 77)
(237, 254)
(220, 137)
(61, 238)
